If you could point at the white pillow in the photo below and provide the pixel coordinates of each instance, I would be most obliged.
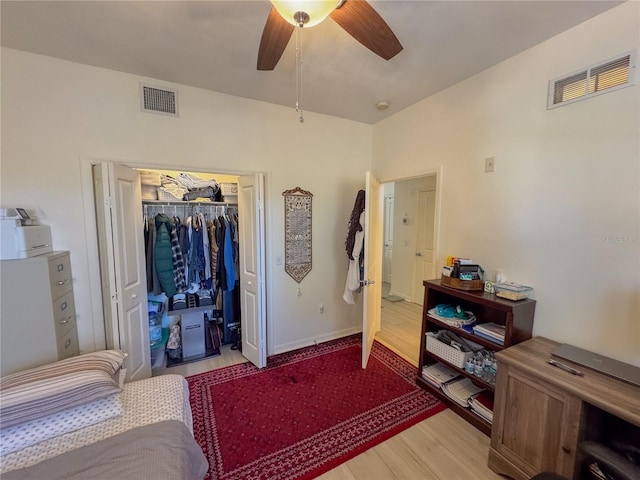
(54, 387)
(35, 431)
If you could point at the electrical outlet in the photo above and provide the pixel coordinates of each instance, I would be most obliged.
(278, 259)
(489, 164)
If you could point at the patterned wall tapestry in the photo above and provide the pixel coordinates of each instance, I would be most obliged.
(297, 233)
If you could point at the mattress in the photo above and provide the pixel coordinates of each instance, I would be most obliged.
(143, 402)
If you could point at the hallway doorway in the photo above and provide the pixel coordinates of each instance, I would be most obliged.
(410, 241)
(400, 326)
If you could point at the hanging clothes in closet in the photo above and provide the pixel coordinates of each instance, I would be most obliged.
(196, 254)
(168, 261)
(227, 271)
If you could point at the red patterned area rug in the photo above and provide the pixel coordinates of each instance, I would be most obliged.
(307, 412)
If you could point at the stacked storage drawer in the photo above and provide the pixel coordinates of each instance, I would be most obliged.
(38, 312)
(64, 309)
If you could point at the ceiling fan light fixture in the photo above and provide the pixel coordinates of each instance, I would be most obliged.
(296, 11)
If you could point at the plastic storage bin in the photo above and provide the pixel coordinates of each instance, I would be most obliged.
(512, 291)
(155, 329)
(157, 351)
(446, 352)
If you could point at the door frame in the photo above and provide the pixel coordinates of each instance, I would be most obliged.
(91, 236)
(387, 226)
(438, 172)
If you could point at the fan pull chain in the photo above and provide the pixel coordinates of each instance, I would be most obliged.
(299, 72)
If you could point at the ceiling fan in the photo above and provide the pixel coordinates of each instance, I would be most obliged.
(356, 17)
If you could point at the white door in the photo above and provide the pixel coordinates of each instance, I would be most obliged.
(122, 258)
(388, 238)
(424, 262)
(105, 250)
(372, 264)
(252, 268)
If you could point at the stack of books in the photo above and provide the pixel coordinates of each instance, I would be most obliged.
(490, 331)
(438, 374)
(461, 390)
(482, 405)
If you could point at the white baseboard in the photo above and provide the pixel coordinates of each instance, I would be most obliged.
(401, 295)
(307, 342)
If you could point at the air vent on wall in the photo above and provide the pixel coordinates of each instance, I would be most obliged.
(159, 100)
(593, 80)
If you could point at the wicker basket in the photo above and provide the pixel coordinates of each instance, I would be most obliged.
(470, 285)
(445, 352)
(166, 196)
(229, 189)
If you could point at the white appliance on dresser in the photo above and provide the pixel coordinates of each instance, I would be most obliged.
(21, 236)
(37, 311)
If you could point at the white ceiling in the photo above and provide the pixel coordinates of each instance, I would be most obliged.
(214, 44)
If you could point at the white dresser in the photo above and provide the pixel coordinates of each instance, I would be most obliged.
(37, 312)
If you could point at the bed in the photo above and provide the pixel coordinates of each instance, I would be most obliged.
(148, 433)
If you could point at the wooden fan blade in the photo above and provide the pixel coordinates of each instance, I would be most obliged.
(363, 23)
(275, 37)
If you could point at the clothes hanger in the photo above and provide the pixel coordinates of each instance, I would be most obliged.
(144, 217)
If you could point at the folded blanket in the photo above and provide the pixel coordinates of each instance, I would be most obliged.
(160, 451)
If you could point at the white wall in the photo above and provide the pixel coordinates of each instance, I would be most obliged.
(561, 212)
(58, 115)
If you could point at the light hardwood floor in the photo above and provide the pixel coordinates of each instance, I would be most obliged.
(226, 358)
(400, 327)
(442, 447)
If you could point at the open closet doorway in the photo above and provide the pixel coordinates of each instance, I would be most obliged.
(409, 257)
(124, 199)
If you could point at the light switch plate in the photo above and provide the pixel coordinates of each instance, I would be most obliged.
(489, 164)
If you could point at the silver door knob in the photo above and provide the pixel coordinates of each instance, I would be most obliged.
(418, 254)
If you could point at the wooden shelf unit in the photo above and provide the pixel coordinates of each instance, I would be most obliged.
(516, 316)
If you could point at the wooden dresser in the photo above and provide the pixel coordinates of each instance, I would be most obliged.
(542, 413)
(37, 313)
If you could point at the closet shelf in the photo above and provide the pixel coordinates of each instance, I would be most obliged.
(182, 311)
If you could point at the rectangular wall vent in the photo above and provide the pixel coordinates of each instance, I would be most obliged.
(159, 100)
(590, 81)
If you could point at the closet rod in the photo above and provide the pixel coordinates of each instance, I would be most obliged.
(184, 202)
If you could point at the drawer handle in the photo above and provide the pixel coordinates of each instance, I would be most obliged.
(67, 343)
(566, 449)
(62, 282)
(66, 320)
